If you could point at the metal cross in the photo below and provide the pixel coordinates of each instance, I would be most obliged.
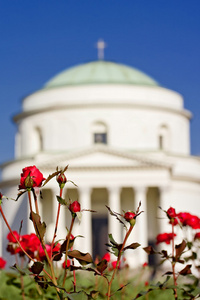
(101, 45)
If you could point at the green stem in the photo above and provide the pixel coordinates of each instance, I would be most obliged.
(173, 263)
(43, 244)
(9, 228)
(118, 260)
(56, 225)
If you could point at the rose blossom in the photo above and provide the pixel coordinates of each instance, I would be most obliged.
(68, 264)
(114, 264)
(106, 257)
(34, 180)
(171, 213)
(30, 243)
(2, 263)
(75, 207)
(164, 238)
(10, 237)
(187, 219)
(197, 236)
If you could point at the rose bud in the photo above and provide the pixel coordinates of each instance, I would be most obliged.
(130, 217)
(30, 177)
(171, 213)
(75, 207)
(61, 179)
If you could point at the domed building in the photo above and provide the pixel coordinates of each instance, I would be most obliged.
(125, 138)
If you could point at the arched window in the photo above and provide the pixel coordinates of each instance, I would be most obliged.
(163, 137)
(37, 140)
(99, 131)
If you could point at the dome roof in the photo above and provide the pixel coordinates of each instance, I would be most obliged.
(100, 72)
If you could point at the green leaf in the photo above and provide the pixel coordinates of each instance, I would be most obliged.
(61, 200)
(50, 177)
(20, 194)
(17, 268)
(149, 250)
(179, 249)
(37, 267)
(186, 270)
(102, 265)
(132, 246)
(83, 258)
(112, 213)
(40, 227)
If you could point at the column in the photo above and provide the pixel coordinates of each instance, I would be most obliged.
(164, 204)
(114, 225)
(141, 222)
(85, 228)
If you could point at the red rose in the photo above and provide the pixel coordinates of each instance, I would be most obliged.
(31, 177)
(114, 264)
(30, 243)
(13, 247)
(41, 253)
(197, 236)
(106, 257)
(64, 264)
(75, 207)
(130, 217)
(194, 222)
(145, 265)
(187, 219)
(183, 217)
(2, 263)
(164, 238)
(11, 239)
(171, 213)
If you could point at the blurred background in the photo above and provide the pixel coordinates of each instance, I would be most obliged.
(39, 39)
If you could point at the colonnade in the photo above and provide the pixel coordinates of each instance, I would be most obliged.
(114, 227)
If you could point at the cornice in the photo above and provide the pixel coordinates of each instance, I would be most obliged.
(26, 114)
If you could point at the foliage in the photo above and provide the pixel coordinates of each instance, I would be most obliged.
(55, 270)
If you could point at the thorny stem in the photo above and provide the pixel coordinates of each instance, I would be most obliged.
(42, 244)
(173, 263)
(9, 228)
(56, 225)
(118, 260)
(36, 203)
(67, 248)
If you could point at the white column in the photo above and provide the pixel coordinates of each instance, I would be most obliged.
(164, 204)
(85, 227)
(114, 225)
(141, 221)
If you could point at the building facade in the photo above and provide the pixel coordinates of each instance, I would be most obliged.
(125, 138)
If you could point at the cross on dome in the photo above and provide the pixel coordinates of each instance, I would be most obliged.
(101, 45)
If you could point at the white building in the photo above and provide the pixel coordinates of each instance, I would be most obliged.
(126, 139)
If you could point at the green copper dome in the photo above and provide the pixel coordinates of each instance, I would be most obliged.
(100, 72)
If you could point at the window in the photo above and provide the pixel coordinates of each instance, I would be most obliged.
(163, 137)
(99, 132)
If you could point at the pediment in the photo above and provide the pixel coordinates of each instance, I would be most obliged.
(100, 157)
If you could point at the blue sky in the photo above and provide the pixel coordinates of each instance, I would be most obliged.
(40, 38)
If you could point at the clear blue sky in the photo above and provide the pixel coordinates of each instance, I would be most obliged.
(40, 38)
